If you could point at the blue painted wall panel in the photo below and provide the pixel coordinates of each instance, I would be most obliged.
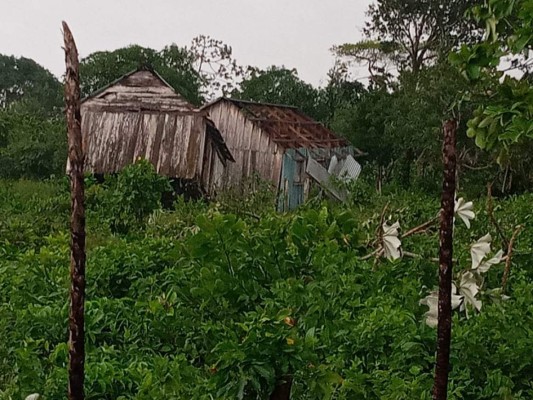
(293, 175)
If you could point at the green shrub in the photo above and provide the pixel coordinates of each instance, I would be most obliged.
(31, 145)
(128, 198)
(203, 304)
(252, 196)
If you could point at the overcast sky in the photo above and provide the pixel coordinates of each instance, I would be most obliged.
(294, 33)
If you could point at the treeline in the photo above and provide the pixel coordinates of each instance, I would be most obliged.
(394, 113)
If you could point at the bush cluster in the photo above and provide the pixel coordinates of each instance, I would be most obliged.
(197, 303)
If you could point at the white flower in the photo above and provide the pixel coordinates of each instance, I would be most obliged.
(468, 288)
(464, 210)
(432, 301)
(432, 315)
(485, 265)
(34, 396)
(391, 243)
(480, 249)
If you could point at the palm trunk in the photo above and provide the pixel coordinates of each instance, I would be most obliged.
(77, 221)
(282, 391)
(444, 329)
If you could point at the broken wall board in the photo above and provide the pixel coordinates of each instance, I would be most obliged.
(320, 174)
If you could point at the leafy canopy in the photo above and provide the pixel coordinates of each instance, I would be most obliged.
(22, 79)
(279, 85)
(504, 122)
(409, 35)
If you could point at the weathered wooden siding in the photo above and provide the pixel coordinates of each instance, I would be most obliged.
(213, 168)
(275, 141)
(252, 149)
(141, 90)
(172, 141)
(140, 116)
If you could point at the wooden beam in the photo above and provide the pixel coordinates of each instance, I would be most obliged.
(444, 328)
(76, 342)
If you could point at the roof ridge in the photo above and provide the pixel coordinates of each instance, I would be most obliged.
(140, 68)
(233, 100)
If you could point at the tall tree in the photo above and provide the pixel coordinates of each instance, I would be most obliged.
(31, 145)
(411, 33)
(23, 80)
(365, 124)
(400, 128)
(214, 62)
(31, 128)
(280, 85)
(340, 93)
(376, 56)
(174, 63)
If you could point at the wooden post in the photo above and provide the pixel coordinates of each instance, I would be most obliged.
(444, 329)
(282, 391)
(76, 342)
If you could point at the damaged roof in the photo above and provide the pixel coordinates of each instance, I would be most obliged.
(287, 125)
(142, 89)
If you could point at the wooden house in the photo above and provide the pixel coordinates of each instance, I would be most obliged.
(141, 116)
(276, 142)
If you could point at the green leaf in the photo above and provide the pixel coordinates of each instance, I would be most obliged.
(480, 140)
(521, 43)
(486, 122)
(474, 71)
(264, 371)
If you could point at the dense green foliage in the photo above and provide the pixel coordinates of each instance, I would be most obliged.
(32, 132)
(503, 122)
(198, 303)
(279, 85)
(31, 145)
(401, 130)
(412, 89)
(22, 79)
(127, 199)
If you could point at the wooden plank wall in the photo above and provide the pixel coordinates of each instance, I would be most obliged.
(213, 169)
(141, 117)
(140, 90)
(251, 147)
(172, 141)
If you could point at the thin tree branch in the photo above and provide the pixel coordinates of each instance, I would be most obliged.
(509, 257)
(490, 213)
(375, 252)
(421, 228)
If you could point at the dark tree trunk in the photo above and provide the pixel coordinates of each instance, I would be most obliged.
(282, 391)
(77, 220)
(444, 329)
